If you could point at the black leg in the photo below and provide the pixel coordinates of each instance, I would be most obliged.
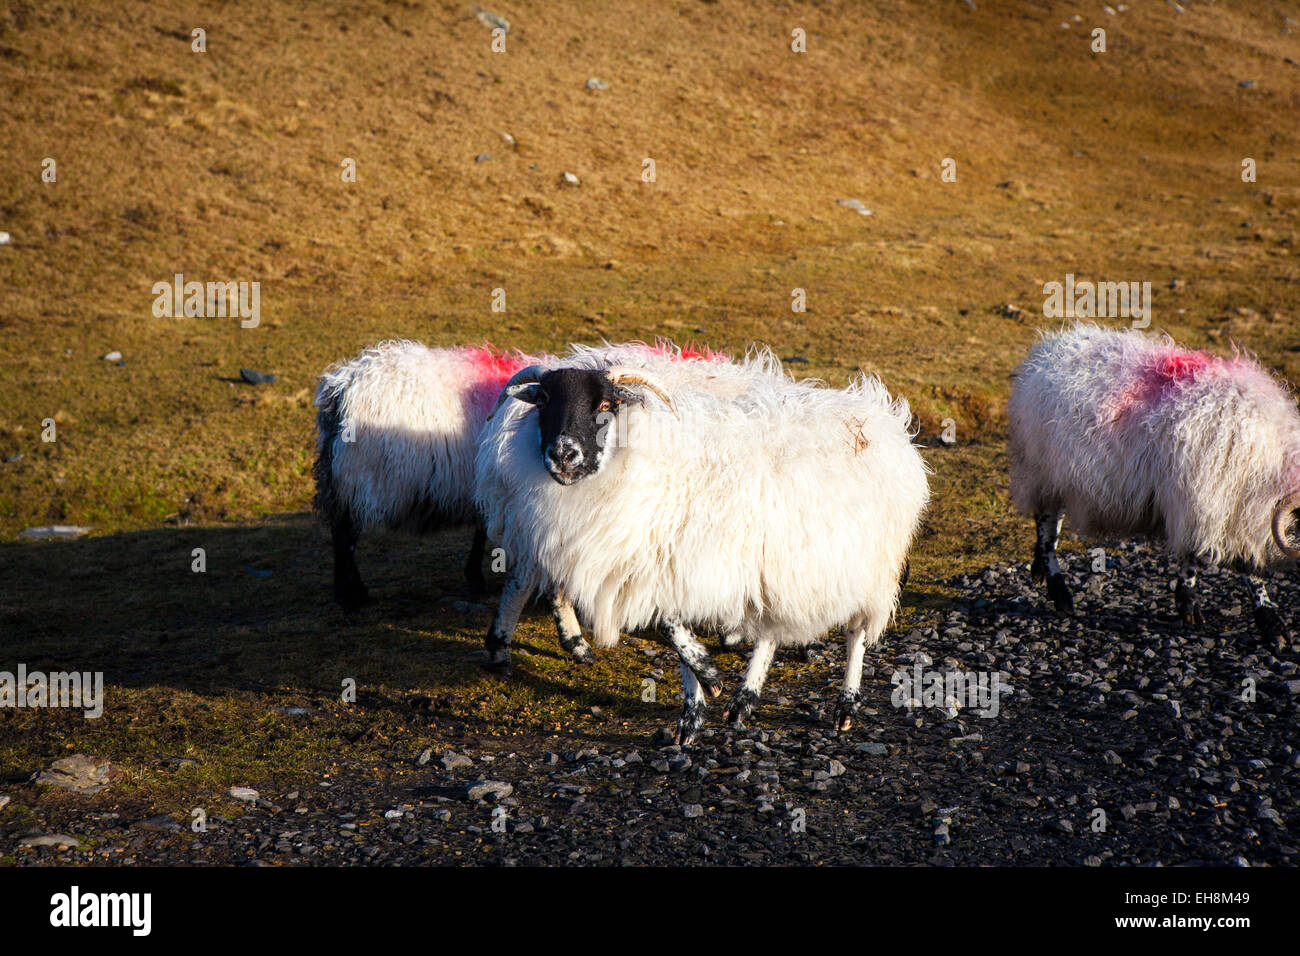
(349, 590)
(474, 563)
(846, 708)
(740, 708)
(694, 708)
(1188, 606)
(742, 704)
(1046, 566)
(692, 654)
(518, 589)
(569, 630)
(1268, 620)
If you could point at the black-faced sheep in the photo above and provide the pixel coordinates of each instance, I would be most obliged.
(776, 512)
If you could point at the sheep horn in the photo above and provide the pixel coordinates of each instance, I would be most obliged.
(1288, 504)
(622, 375)
(529, 373)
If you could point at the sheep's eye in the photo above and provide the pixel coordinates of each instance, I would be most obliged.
(604, 405)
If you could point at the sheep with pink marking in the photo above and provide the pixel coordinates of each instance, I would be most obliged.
(1129, 434)
(398, 428)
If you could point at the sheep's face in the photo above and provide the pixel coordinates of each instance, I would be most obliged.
(576, 412)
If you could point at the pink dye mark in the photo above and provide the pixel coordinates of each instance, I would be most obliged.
(1177, 364)
(494, 366)
(688, 353)
(1159, 377)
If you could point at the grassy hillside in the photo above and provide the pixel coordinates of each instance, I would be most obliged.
(226, 165)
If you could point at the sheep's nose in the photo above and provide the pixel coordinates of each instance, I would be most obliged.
(564, 453)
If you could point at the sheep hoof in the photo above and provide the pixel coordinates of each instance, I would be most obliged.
(845, 708)
(582, 653)
(690, 724)
(1271, 627)
(1060, 594)
(741, 708)
(1191, 618)
(1038, 570)
(498, 666)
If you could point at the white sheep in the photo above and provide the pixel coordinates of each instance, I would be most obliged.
(695, 368)
(397, 430)
(776, 513)
(1129, 434)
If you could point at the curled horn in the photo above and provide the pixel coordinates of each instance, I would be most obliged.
(529, 373)
(622, 375)
(1285, 507)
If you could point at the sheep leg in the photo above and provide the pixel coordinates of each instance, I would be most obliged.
(1268, 620)
(746, 699)
(1046, 566)
(349, 590)
(570, 631)
(518, 589)
(474, 563)
(693, 654)
(694, 705)
(858, 635)
(1189, 609)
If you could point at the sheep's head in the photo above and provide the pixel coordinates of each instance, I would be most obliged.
(1281, 518)
(577, 413)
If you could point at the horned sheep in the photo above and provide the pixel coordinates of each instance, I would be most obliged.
(777, 513)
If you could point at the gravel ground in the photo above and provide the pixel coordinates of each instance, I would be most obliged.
(1124, 741)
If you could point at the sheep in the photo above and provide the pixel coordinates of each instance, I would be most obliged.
(1129, 434)
(701, 368)
(777, 513)
(397, 429)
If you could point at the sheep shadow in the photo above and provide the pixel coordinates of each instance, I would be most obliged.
(224, 608)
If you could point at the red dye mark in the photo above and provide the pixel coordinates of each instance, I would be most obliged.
(706, 354)
(688, 353)
(1176, 364)
(494, 366)
(1160, 377)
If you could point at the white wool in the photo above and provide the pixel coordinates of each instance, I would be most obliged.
(1200, 458)
(770, 507)
(416, 413)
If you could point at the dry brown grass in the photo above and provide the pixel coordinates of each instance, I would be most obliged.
(226, 166)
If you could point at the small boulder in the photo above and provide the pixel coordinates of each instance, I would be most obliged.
(79, 774)
(50, 839)
(480, 790)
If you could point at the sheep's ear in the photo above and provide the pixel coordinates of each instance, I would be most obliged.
(530, 392)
